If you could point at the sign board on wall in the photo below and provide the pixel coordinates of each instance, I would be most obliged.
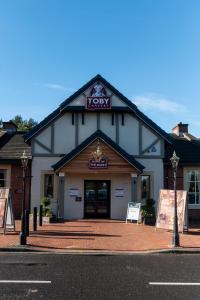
(101, 164)
(119, 192)
(73, 192)
(98, 98)
(165, 212)
(133, 211)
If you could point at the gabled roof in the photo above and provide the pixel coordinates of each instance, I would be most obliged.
(188, 151)
(12, 146)
(64, 106)
(98, 134)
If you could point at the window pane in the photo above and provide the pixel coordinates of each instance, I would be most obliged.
(145, 187)
(197, 198)
(191, 198)
(48, 185)
(191, 187)
(193, 184)
(191, 176)
(3, 178)
(198, 175)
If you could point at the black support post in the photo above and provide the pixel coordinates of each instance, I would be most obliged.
(35, 219)
(27, 222)
(40, 218)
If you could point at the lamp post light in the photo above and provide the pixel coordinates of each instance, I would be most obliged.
(24, 161)
(175, 238)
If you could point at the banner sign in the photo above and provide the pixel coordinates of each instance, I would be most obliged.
(98, 98)
(133, 211)
(6, 210)
(2, 211)
(101, 164)
(165, 212)
(4, 192)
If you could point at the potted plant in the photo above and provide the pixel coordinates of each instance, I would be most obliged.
(148, 212)
(46, 210)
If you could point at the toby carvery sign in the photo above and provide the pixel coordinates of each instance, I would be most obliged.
(98, 98)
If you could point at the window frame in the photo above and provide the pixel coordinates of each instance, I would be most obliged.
(42, 185)
(186, 186)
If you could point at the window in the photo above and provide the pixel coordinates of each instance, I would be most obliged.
(193, 186)
(3, 177)
(49, 185)
(145, 187)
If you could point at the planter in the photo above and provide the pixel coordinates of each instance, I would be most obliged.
(149, 221)
(46, 220)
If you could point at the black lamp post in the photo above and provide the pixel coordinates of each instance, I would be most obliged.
(24, 161)
(175, 238)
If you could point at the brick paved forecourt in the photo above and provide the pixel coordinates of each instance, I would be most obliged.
(100, 235)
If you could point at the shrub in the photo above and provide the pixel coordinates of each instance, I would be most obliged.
(46, 209)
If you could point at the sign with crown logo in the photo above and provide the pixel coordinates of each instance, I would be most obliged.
(98, 98)
(98, 160)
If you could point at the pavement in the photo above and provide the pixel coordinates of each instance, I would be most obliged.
(100, 236)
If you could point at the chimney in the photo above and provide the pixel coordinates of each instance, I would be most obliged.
(180, 129)
(9, 126)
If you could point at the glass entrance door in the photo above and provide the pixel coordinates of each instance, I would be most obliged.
(97, 199)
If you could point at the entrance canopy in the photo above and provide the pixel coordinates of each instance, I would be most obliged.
(98, 154)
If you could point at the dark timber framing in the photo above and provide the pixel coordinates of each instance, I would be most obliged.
(98, 134)
(65, 106)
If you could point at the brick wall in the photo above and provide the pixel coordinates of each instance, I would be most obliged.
(17, 189)
(168, 178)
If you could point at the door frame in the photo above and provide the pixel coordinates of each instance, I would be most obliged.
(109, 198)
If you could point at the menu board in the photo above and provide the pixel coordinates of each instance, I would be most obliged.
(6, 211)
(2, 212)
(133, 211)
(165, 212)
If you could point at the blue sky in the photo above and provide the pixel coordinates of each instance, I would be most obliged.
(148, 49)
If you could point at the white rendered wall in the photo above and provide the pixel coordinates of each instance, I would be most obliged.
(81, 100)
(45, 137)
(39, 150)
(155, 168)
(89, 127)
(157, 147)
(39, 166)
(106, 125)
(147, 137)
(75, 210)
(129, 134)
(64, 134)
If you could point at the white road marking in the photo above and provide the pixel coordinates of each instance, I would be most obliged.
(174, 283)
(24, 281)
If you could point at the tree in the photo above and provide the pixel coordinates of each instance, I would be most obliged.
(24, 125)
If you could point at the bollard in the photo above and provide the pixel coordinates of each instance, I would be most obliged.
(27, 222)
(35, 219)
(40, 217)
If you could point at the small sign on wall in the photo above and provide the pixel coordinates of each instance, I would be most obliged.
(73, 192)
(119, 192)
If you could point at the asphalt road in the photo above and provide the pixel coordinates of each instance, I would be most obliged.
(99, 277)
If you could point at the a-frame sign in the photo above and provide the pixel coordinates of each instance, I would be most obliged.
(7, 222)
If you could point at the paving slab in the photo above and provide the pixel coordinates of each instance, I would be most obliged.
(101, 236)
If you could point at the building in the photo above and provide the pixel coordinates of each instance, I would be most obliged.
(187, 147)
(12, 146)
(96, 152)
